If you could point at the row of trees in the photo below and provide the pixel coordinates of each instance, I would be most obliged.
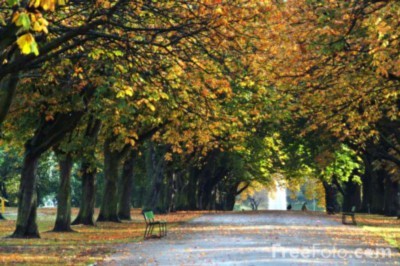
(200, 98)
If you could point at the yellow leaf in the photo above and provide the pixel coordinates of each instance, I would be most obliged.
(151, 106)
(34, 3)
(15, 17)
(27, 44)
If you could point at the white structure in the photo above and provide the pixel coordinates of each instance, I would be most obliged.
(277, 198)
(49, 203)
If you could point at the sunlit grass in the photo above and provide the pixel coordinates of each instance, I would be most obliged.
(87, 244)
(386, 227)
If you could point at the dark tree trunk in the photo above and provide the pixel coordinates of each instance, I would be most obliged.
(398, 200)
(191, 191)
(352, 195)
(204, 188)
(182, 190)
(366, 179)
(331, 202)
(171, 193)
(127, 180)
(372, 187)
(229, 202)
(157, 174)
(376, 198)
(109, 204)
(232, 192)
(48, 134)
(86, 209)
(391, 194)
(155, 190)
(8, 86)
(27, 199)
(88, 172)
(63, 219)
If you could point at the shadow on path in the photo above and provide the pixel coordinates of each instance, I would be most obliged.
(260, 238)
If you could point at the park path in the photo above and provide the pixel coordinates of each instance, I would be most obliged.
(260, 238)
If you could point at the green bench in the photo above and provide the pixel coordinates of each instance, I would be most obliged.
(351, 214)
(151, 223)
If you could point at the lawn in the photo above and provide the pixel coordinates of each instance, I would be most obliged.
(385, 227)
(88, 244)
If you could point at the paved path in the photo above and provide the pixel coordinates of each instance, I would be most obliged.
(264, 238)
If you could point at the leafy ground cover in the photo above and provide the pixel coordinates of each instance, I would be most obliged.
(387, 228)
(90, 244)
(87, 244)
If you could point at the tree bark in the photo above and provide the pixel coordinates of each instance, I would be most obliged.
(192, 192)
(88, 172)
(8, 86)
(155, 169)
(331, 203)
(26, 226)
(391, 194)
(398, 200)
(172, 191)
(231, 193)
(127, 180)
(87, 204)
(63, 219)
(48, 134)
(112, 159)
(352, 195)
(109, 205)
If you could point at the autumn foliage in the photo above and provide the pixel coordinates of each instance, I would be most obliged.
(188, 103)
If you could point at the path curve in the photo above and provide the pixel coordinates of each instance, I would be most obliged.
(260, 238)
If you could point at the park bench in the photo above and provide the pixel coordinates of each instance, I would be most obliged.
(351, 214)
(151, 223)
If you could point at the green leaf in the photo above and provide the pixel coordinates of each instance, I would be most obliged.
(24, 21)
(12, 2)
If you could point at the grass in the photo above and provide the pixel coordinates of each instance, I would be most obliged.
(386, 227)
(84, 246)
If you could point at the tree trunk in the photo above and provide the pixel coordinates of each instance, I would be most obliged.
(156, 172)
(398, 200)
(88, 172)
(230, 197)
(376, 198)
(331, 202)
(109, 205)
(391, 194)
(26, 226)
(127, 179)
(86, 208)
(8, 85)
(191, 191)
(366, 191)
(172, 191)
(48, 134)
(63, 219)
(352, 195)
